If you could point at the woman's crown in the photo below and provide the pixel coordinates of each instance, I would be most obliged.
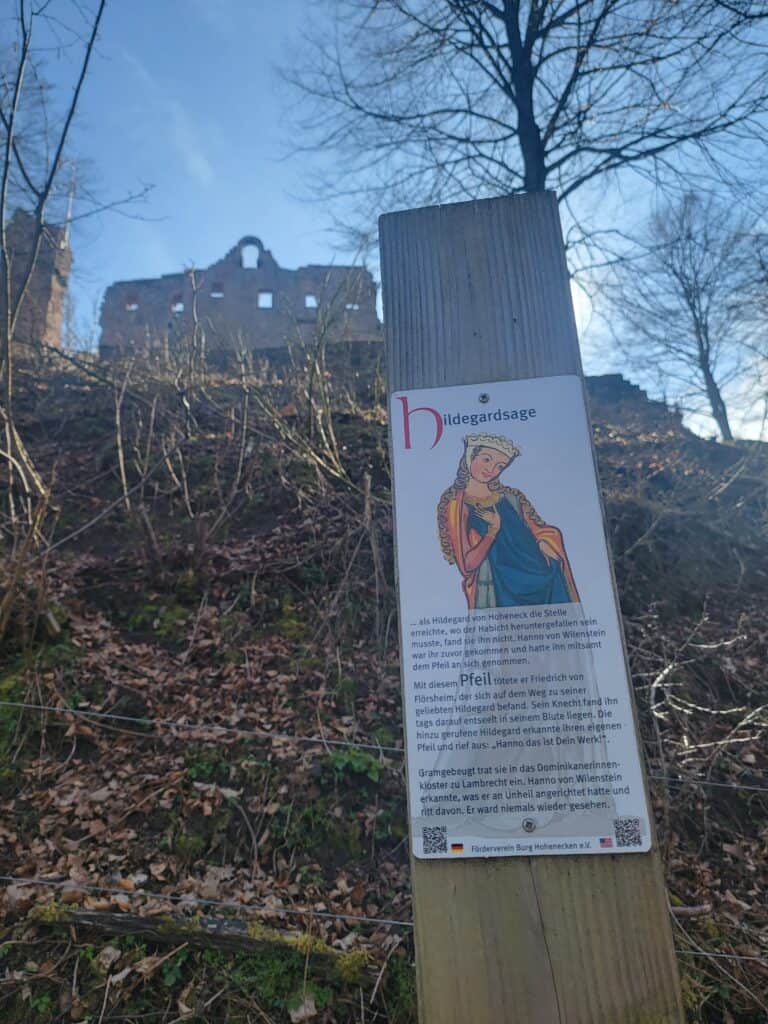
(499, 444)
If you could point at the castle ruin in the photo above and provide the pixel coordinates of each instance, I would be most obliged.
(42, 305)
(245, 300)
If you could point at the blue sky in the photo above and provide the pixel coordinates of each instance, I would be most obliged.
(183, 96)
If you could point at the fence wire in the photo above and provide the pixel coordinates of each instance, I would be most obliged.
(264, 909)
(290, 911)
(322, 741)
(254, 908)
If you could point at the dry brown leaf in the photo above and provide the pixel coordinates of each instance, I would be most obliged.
(730, 898)
(306, 1011)
(185, 1002)
(109, 955)
(146, 965)
(72, 893)
(97, 903)
(19, 897)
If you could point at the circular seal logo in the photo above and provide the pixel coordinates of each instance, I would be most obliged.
(529, 825)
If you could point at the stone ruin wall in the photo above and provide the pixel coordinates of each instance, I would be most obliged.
(43, 306)
(245, 299)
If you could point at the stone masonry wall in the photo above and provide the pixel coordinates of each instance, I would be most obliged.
(245, 299)
(41, 313)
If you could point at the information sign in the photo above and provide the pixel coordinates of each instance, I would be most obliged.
(519, 725)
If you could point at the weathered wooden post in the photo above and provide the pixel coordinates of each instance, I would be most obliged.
(539, 896)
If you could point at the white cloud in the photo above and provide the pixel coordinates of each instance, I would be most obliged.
(185, 136)
(183, 131)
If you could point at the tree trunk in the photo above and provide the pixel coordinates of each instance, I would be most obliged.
(716, 403)
(523, 77)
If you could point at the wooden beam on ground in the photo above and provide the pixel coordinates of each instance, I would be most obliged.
(227, 934)
(479, 292)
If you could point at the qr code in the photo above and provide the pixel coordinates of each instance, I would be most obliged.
(627, 832)
(435, 839)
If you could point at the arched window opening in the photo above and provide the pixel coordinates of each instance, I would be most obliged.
(217, 291)
(131, 304)
(177, 305)
(265, 300)
(310, 301)
(249, 256)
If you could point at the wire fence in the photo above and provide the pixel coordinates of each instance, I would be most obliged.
(324, 741)
(271, 911)
(232, 730)
(268, 911)
(194, 901)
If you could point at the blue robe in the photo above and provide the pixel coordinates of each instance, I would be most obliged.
(519, 572)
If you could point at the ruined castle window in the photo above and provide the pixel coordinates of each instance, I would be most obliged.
(265, 300)
(217, 291)
(131, 304)
(310, 302)
(249, 256)
(352, 305)
(177, 305)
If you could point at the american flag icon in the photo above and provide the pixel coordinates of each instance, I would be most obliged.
(606, 843)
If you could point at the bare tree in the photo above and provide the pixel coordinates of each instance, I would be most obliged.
(443, 100)
(35, 178)
(33, 140)
(681, 308)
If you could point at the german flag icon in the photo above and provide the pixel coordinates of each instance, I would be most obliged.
(457, 847)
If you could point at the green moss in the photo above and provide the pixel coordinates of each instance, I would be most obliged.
(389, 825)
(399, 991)
(17, 728)
(289, 624)
(305, 660)
(386, 736)
(63, 655)
(48, 913)
(345, 837)
(12, 689)
(317, 832)
(303, 944)
(189, 846)
(690, 993)
(206, 764)
(273, 975)
(169, 925)
(259, 932)
(307, 944)
(351, 966)
(167, 620)
(346, 691)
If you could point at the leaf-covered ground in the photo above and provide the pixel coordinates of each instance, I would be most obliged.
(235, 611)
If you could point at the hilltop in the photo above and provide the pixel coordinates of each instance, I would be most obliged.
(233, 593)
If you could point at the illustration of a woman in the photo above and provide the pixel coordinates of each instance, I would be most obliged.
(506, 554)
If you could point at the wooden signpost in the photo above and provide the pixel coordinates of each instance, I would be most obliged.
(514, 921)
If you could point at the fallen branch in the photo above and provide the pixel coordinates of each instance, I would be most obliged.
(229, 935)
